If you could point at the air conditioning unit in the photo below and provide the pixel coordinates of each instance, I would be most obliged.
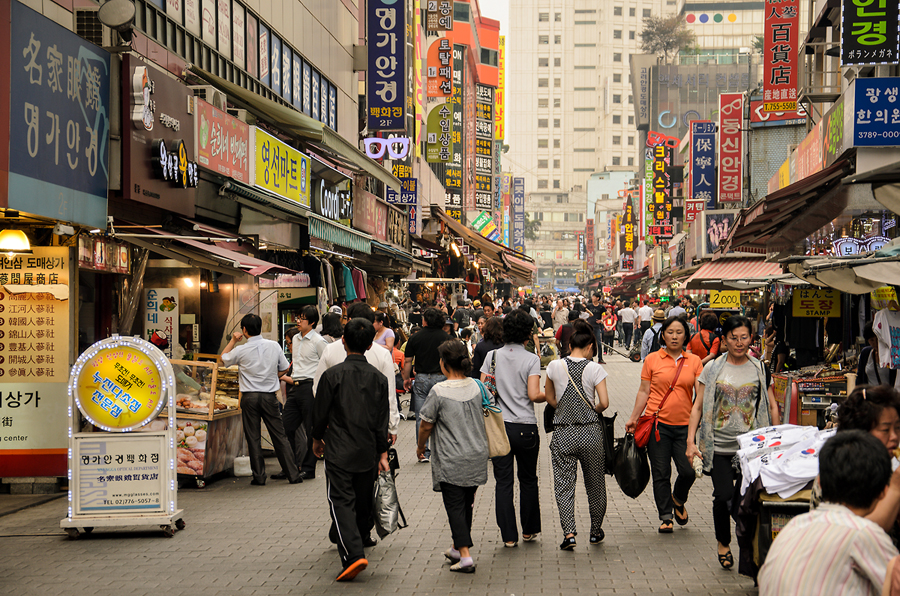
(243, 116)
(210, 95)
(89, 27)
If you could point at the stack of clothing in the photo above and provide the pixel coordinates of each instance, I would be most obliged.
(785, 458)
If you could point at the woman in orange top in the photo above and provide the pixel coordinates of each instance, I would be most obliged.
(657, 376)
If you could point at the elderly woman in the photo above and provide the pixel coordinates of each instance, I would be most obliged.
(453, 416)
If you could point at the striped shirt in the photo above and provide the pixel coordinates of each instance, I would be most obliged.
(828, 551)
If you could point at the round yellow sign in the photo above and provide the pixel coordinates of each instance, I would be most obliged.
(119, 388)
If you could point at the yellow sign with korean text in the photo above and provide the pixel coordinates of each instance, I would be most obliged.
(280, 169)
(816, 303)
(500, 94)
(882, 297)
(724, 299)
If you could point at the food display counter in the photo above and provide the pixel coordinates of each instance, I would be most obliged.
(209, 432)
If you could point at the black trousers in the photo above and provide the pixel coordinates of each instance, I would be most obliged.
(297, 413)
(724, 478)
(609, 339)
(644, 326)
(671, 447)
(255, 408)
(350, 501)
(525, 446)
(459, 501)
(628, 331)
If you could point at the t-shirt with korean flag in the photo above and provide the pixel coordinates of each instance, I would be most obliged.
(887, 329)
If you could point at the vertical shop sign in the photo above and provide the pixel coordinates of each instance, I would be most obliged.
(418, 83)
(579, 246)
(238, 36)
(316, 81)
(386, 76)
(224, 13)
(439, 15)
(647, 209)
(518, 215)
(870, 32)
(439, 133)
(661, 225)
(287, 61)
(173, 11)
(307, 88)
(780, 56)
(192, 16)
(34, 361)
(453, 171)
(629, 231)
(591, 243)
(440, 68)
(332, 107)
(469, 179)
(642, 66)
(703, 163)
(263, 45)
(692, 209)
(731, 147)
(500, 98)
(484, 147)
(252, 45)
(161, 316)
(296, 78)
(413, 219)
(323, 109)
(58, 125)
(275, 63)
(222, 142)
(208, 22)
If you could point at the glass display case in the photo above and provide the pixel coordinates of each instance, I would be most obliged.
(205, 390)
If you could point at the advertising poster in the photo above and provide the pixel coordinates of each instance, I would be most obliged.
(386, 75)
(518, 215)
(780, 58)
(161, 316)
(703, 162)
(718, 227)
(119, 474)
(731, 148)
(222, 142)
(279, 168)
(870, 33)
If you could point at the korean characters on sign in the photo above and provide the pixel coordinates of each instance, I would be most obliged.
(816, 303)
(439, 15)
(222, 142)
(731, 147)
(279, 168)
(386, 75)
(870, 32)
(161, 306)
(484, 147)
(780, 58)
(703, 163)
(439, 133)
(518, 215)
(661, 206)
(876, 115)
(589, 239)
(440, 68)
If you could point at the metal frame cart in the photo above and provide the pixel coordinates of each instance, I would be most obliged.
(121, 458)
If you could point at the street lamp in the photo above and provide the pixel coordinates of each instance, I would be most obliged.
(119, 16)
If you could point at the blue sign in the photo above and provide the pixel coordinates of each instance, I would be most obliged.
(275, 62)
(332, 107)
(316, 80)
(286, 60)
(307, 89)
(518, 215)
(703, 162)
(296, 86)
(386, 76)
(876, 115)
(323, 109)
(59, 121)
(408, 193)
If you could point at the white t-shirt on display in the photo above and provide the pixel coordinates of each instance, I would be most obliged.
(887, 329)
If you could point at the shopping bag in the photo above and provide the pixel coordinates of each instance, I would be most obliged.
(609, 446)
(632, 467)
(498, 441)
(388, 515)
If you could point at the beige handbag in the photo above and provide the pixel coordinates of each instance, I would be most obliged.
(498, 441)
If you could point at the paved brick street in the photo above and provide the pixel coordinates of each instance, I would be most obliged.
(242, 539)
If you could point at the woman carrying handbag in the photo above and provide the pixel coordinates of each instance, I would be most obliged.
(666, 393)
(577, 433)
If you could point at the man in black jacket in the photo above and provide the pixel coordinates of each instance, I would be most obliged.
(350, 415)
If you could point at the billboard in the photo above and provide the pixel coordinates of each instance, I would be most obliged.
(870, 33)
(780, 58)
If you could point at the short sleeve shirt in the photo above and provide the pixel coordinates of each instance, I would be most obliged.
(659, 368)
(736, 394)
(260, 360)
(423, 347)
(514, 365)
(557, 371)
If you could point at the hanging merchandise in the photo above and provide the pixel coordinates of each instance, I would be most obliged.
(887, 330)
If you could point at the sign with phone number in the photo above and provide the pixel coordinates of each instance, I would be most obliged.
(876, 113)
(816, 303)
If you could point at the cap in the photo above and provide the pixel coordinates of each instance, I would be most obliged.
(659, 315)
(449, 321)
(336, 310)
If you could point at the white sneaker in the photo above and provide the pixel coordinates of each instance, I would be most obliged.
(424, 460)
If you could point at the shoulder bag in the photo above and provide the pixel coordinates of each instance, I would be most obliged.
(494, 427)
(649, 422)
(490, 379)
(607, 426)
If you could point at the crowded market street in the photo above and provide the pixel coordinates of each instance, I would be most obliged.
(243, 539)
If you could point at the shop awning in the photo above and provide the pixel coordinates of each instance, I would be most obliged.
(717, 275)
(520, 262)
(265, 202)
(339, 234)
(302, 126)
(392, 252)
(853, 275)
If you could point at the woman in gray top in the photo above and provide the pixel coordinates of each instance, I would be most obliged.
(459, 450)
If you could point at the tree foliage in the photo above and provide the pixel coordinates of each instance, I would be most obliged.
(664, 36)
(531, 227)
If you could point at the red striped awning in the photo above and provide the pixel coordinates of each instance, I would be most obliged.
(734, 270)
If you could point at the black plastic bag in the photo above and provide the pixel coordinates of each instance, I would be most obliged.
(609, 445)
(632, 467)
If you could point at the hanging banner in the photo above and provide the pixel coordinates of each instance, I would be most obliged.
(453, 178)
(870, 33)
(439, 15)
(484, 225)
(590, 242)
(386, 75)
(731, 147)
(518, 215)
(780, 57)
(439, 133)
(500, 96)
(661, 206)
(703, 162)
(440, 68)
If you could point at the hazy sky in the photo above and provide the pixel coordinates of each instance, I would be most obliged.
(498, 10)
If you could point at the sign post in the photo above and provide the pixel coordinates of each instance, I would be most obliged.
(122, 473)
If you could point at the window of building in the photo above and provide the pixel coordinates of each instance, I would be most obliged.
(617, 57)
(617, 77)
(631, 161)
(631, 141)
(616, 161)
(617, 11)
(543, 102)
(555, 164)
(617, 140)
(617, 34)
(548, 199)
(557, 102)
(461, 11)
(543, 39)
(557, 62)
(542, 184)
(556, 143)
(544, 17)
(557, 82)
(556, 184)
(557, 39)
(631, 99)
(543, 62)
(543, 82)
(556, 123)
(631, 35)
(542, 143)
(631, 11)
(559, 201)
(543, 164)
(490, 57)
(617, 98)
(617, 119)
(557, 17)
(646, 13)
(542, 123)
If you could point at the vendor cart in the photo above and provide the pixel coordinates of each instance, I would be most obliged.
(774, 515)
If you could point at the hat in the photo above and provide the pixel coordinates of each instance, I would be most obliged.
(336, 310)
(477, 303)
(659, 315)
(449, 321)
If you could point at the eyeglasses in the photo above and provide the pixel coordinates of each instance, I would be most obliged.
(375, 147)
(739, 340)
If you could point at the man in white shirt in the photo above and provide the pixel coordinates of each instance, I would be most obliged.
(261, 363)
(560, 315)
(377, 355)
(306, 349)
(628, 316)
(677, 310)
(645, 314)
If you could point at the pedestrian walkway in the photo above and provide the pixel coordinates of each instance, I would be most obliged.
(270, 540)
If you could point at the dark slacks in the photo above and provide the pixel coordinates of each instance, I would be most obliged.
(525, 446)
(724, 478)
(350, 501)
(609, 340)
(644, 326)
(671, 447)
(263, 407)
(628, 330)
(458, 501)
(297, 413)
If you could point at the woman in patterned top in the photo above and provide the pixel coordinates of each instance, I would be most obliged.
(577, 433)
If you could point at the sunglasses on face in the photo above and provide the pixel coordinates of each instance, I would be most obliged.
(397, 148)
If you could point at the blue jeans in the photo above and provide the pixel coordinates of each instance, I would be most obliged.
(421, 389)
(598, 333)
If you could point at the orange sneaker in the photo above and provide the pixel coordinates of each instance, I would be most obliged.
(352, 570)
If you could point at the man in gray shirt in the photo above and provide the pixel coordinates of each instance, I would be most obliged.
(261, 363)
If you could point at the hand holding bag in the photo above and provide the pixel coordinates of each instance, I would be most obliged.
(498, 441)
(632, 467)
(649, 422)
(387, 512)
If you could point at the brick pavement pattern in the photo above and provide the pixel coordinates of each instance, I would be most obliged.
(270, 540)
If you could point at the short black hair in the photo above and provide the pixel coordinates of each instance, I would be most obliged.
(854, 469)
(668, 323)
(358, 335)
(493, 330)
(736, 322)
(506, 308)
(455, 356)
(583, 336)
(311, 314)
(331, 325)
(573, 315)
(868, 331)
(517, 327)
(252, 324)
(862, 409)
(709, 321)
(384, 319)
(486, 305)
(361, 310)
(434, 318)
(465, 333)
(291, 332)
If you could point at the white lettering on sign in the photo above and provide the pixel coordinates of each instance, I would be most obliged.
(170, 122)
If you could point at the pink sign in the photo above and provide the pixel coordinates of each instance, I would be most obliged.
(731, 147)
(692, 209)
(369, 214)
(222, 142)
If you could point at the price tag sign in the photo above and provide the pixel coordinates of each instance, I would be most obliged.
(724, 299)
(816, 303)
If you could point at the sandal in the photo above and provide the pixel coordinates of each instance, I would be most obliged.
(460, 568)
(448, 554)
(667, 527)
(681, 514)
(726, 560)
(510, 544)
(529, 537)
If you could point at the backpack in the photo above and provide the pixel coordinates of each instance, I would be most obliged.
(712, 336)
(654, 343)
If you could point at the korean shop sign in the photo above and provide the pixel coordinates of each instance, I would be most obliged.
(386, 75)
(518, 215)
(589, 236)
(158, 162)
(439, 133)
(408, 192)
(703, 163)
(816, 303)
(500, 96)
(870, 32)
(278, 168)
(876, 114)
(780, 59)
(731, 147)
(58, 120)
(629, 230)
(222, 142)
(660, 209)
(440, 68)
(439, 15)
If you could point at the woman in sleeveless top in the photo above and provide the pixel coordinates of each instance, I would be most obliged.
(571, 386)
